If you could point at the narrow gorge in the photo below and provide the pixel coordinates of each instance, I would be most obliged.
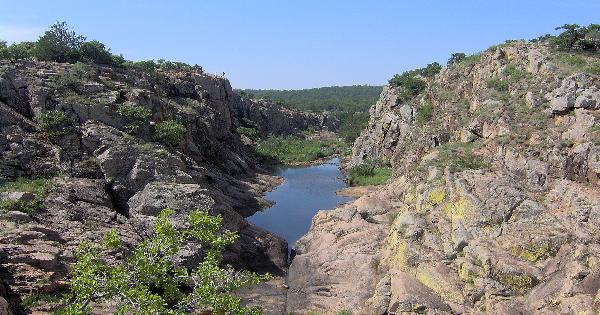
(478, 185)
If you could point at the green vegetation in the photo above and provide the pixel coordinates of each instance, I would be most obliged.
(372, 172)
(170, 132)
(513, 73)
(459, 157)
(424, 114)
(411, 83)
(349, 99)
(576, 38)
(249, 132)
(456, 58)
(149, 282)
(37, 186)
(297, 150)
(55, 123)
(498, 84)
(39, 299)
(519, 283)
(135, 114)
(351, 124)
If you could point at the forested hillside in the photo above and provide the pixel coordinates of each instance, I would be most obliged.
(355, 98)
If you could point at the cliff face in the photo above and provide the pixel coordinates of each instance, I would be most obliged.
(270, 118)
(494, 206)
(91, 134)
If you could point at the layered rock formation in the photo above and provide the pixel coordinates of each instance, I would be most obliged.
(270, 118)
(494, 206)
(106, 168)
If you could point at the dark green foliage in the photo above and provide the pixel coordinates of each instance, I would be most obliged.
(498, 84)
(39, 299)
(409, 83)
(60, 44)
(249, 132)
(424, 113)
(170, 132)
(431, 70)
(17, 51)
(297, 150)
(456, 58)
(96, 52)
(356, 98)
(351, 124)
(575, 37)
(149, 281)
(55, 123)
(135, 114)
(371, 172)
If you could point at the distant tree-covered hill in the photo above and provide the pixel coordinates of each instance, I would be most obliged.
(355, 98)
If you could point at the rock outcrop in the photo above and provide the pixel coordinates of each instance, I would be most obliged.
(270, 118)
(92, 132)
(493, 207)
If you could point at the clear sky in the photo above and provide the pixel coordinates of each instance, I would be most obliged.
(297, 44)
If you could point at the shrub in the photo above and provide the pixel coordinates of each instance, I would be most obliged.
(459, 157)
(17, 51)
(594, 68)
(513, 73)
(424, 114)
(371, 172)
(456, 58)
(150, 282)
(575, 37)
(408, 83)
(55, 123)
(170, 132)
(59, 43)
(96, 52)
(249, 132)
(431, 70)
(351, 125)
(498, 85)
(37, 186)
(136, 114)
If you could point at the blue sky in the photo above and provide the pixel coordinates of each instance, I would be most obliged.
(297, 44)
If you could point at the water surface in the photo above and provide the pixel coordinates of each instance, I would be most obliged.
(304, 191)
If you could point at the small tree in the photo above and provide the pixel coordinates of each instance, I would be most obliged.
(59, 43)
(150, 282)
(17, 51)
(431, 70)
(456, 58)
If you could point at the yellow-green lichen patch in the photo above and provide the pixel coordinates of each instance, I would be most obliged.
(435, 282)
(534, 252)
(436, 196)
(460, 209)
(465, 274)
(519, 283)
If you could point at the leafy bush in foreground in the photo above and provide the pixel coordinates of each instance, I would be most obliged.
(149, 282)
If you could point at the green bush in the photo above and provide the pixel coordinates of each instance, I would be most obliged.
(575, 37)
(29, 206)
(59, 44)
(456, 58)
(372, 172)
(96, 52)
(424, 114)
(431, 70)
(459, 157)
(297, 150)
(17, 51)
(148, 281)
(497, 84)
(513, 73)
(170, 132)
(55, 123)
(135, 114)
(351, 125)
(249, 132)
(38, 186)
(594, 68)
(409, 84)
